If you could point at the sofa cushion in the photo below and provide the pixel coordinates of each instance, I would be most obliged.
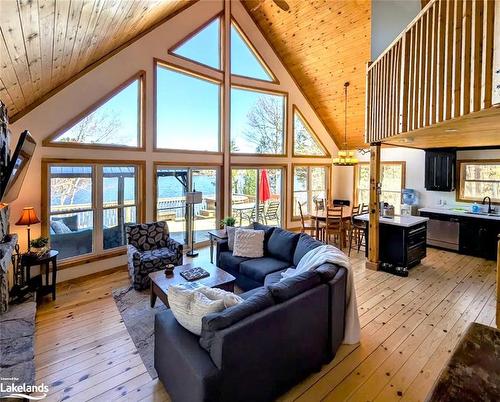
(230, 263)
(327, 271)
(59, 227)
(258, 301)
(293, 286)
(305, 244)
(282, 244)
(151, 256)
(268, 231)
(274, 277)
(249, 243)
(258, 268)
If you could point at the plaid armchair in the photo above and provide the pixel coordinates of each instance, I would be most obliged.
(150, 249)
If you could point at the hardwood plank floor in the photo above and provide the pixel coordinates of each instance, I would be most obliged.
(409, 328)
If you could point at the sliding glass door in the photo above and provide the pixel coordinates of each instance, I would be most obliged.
(257, 195)
(172, 184)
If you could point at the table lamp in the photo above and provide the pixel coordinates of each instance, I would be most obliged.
(28, 217)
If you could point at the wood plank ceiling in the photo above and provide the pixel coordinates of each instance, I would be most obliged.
(323, 43)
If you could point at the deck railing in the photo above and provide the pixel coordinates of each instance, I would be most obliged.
(439, 68)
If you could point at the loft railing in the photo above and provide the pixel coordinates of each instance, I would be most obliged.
(438, 69)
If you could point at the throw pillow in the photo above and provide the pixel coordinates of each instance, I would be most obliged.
(59, 227)
(248, 243)
(189, 306)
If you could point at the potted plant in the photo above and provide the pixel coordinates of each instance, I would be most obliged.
(39, 246)
(228, 221)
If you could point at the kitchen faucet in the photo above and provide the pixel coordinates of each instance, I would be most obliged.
(489, 204)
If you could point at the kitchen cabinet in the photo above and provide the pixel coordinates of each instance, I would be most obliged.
(479, 237)
(402, 240)
(440, 168)
(466, 233)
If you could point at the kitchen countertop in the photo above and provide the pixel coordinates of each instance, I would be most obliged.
(446, 211)
(398, 220)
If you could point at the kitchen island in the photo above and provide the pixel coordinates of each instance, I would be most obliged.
(402, 239)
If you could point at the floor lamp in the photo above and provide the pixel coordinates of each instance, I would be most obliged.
(192, 198)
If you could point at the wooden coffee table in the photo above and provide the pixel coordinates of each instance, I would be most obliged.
(160, 282)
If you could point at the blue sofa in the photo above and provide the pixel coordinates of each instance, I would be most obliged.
(258, 349)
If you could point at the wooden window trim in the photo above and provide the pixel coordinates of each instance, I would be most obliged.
(328, 189)
(270, 165)
(356, 176)
(200, 165)
(171, 51)
(141, 78)
(190, 73)
(296, 110)
(285, 120)
(256, 53)
(45, 202)
(460, 179)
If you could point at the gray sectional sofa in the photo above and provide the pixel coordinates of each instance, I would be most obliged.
(258, 349)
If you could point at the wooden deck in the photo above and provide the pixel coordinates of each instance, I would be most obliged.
(409, 328)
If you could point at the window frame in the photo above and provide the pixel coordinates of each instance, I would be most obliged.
(260, 166)
(356, 176)
(328, 167)
(461, 178)
(172, 50)
(285, 119)
(253, 49)
(193, 74)
(199, 165)
(295, 110)
(99, 252)
(140, 76)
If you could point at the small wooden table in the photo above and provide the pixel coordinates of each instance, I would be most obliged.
(160, 282)
(44, 261)
(216, 235)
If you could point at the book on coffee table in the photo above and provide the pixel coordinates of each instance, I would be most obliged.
(194, 274)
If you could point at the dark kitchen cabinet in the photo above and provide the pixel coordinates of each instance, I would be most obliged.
(478, 237)
(440, 168)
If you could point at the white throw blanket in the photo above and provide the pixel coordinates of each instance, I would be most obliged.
(330, 254)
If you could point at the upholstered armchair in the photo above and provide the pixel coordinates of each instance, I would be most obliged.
(150, 248)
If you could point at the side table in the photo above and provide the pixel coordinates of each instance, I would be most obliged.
(215, 235)
(44, 261)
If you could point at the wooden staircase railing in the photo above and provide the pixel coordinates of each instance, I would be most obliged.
(439, 68)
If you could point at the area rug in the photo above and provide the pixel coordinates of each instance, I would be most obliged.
(139, 318)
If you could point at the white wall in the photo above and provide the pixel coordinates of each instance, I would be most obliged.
(389, 18)
(76, 97)
(415, 170)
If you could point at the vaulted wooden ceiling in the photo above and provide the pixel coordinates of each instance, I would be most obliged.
(323, 43)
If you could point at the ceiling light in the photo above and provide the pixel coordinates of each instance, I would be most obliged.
(345, 157)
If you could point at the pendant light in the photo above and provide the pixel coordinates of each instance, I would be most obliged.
(345, 157)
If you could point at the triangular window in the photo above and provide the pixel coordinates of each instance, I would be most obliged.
(244, 59)
(305, 142)
(203, 47)
(113, 121)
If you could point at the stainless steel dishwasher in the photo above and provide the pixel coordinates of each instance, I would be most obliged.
(443, 231)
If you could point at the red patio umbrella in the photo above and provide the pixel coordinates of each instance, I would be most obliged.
(264, 189)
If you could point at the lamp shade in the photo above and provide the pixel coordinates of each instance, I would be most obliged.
(28, 217)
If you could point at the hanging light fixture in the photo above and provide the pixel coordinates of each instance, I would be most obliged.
(345, 157)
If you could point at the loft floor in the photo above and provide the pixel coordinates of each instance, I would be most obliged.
(409, 328)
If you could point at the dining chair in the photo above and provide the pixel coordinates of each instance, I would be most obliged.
(334, 226)
(320, 204)
(307, 226)
(358, 228)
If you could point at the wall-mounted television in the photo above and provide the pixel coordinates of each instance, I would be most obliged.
(17, 168)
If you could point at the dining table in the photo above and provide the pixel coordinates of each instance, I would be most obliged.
(320, 216)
